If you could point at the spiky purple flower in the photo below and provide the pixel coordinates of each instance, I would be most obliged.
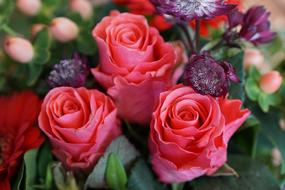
(69, 72)
(208, 76)
(256, 26)
(188, 10)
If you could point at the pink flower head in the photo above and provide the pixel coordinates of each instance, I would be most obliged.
(80, 124)
(190, 133)
(135, 64)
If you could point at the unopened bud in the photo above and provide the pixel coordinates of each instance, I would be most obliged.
(63, 29)
(282, 124)
(19, 49)
(253, 57)
(270, 82)
(29, 7)
(83, 7)
(36, 28)
(276, 157)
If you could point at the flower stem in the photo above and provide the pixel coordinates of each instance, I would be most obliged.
(197, 34)
(9, 30)
(184, 27)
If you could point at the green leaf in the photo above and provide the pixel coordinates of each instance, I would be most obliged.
(269, 123)
(6, 10)
(236, 89)
(42, 56)
(252, 90)
(124, 150)
(142, 178)
(30, 160)
(267, 100)
(253, 176)
(116, 176)
(44, 160)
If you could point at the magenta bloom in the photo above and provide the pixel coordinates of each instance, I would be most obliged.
(256, 26)
(71, 72)
(208, 76)
(192, 9)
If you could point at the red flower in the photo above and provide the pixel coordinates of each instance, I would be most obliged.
(144, 7)
(18, 115)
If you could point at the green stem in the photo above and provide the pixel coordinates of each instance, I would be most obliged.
(9, 30)
(185, 29)
(197, 35)
(177, 186)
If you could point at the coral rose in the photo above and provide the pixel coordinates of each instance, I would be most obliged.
(18, 134)
(190, 132)
(135, 64)
(80, 124)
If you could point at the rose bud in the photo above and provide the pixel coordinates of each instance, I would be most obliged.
(270, 82)
(282, 124)
(19, 49)
(29, 7)
(71, 72)
(253, 57)
(189, 10)
(208, 76)
(276, 157)
(36, 28)
(64, 29)
(256, 26)
(83, 7)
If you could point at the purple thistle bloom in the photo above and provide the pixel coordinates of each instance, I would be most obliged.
(256, 26)
(70, 72)
(188, 10)
(208, 76)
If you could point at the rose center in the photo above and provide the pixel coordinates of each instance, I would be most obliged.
(70, 107)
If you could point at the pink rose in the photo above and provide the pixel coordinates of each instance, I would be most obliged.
(190, 132)
(135, 64)
(80, 124)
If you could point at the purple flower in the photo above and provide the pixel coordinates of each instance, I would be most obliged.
(192, 9)
(208, 76)
(235, 18)
(256, 26)
(71, 72)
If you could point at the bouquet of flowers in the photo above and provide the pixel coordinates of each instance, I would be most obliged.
(140, 95)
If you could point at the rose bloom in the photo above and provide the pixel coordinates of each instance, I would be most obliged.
(18, 134)
(190, 132)
(80, 124)
(135, 64)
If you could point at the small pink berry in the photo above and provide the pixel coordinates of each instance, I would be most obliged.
(36, 28)
(270, 82)
(83, 7)
(253, 57)
(19, 49)
(64, 29)
(29, 7)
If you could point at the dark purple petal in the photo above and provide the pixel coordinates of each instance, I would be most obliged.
(235, 18)
(208, 76)
(72, 72)
(256, 26)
